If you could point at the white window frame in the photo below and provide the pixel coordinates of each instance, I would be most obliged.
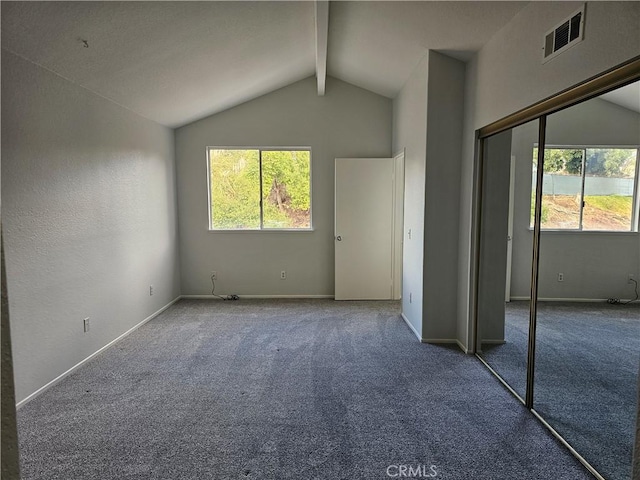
(261, 228)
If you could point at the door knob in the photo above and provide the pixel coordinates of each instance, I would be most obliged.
(339, 238)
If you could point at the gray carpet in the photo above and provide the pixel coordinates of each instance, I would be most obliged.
(587, 359)
(283, 389)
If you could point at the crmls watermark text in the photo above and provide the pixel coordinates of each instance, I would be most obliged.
(412, 471)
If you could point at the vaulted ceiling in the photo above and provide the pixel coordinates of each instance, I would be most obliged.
(176, 62)
(627, 97)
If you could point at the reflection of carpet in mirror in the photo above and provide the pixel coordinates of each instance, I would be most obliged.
(587, 357)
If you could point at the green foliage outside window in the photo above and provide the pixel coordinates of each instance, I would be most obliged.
(611, 162)
(235, 184)
(561, 160)
(602, 162)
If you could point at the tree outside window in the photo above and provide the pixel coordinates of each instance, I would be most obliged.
(259, 189)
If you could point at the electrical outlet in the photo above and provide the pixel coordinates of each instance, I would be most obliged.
(214, 275)
(561, 277)
(283, 275)
(86, 324)
(631, 278)
(151, 290)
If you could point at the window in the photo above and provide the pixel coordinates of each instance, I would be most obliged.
(259, 189)
(588, 189)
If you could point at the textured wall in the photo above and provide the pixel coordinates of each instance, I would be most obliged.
(89, 218)
(410, 133)
(511, 74)
(442, 195)
(347, 122)
(427, 123)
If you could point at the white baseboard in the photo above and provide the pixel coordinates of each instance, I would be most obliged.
(576, 300)
(411, 327)
(200, 297)
(433, 340)
(100, 350)
(462, 347)
(439, 340)
(446, 341)
(213, 297)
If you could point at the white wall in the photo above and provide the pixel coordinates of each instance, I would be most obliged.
(410, 133)
(467, 175)
(445, 99)
(507, 75)
(511, 74)
(89, 219)
(427, 123)
(347, 122)
(595, 264)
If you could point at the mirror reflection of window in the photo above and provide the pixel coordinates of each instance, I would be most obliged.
(587, 314)
(587, 350)
(587, 188)
(609, 185)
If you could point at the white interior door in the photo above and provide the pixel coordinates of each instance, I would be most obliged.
(364, 228)
(398, 225)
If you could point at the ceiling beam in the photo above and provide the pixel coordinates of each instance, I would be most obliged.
(322, 33)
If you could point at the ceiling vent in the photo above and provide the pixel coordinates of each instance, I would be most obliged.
(564, 36)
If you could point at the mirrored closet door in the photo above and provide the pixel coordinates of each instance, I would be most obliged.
(588, 349)
(557, 314)
(505, 255)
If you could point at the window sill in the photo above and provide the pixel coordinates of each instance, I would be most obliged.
(269, 230)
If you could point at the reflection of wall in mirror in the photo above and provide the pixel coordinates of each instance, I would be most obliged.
(493, 242)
